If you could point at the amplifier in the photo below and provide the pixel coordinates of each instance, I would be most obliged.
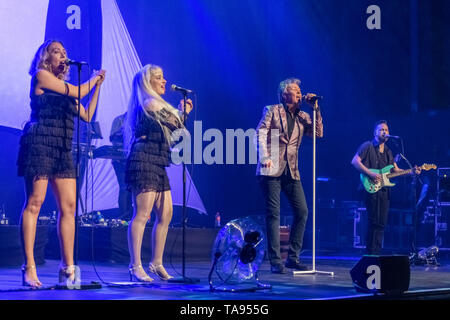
(443, 186)
(398, 232)
(442, 234)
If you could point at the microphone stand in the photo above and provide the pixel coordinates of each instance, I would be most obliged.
(77, 196)
(314, 271)
(413, 256)
(183, 278)
(78, 284)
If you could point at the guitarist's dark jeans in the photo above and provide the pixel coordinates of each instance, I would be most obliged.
(377, 205)
(293, 189)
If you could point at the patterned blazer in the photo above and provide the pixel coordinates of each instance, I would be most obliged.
(274, 143)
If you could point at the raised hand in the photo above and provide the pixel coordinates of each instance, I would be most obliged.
(312, 102)
(101, 74)
(189, 104)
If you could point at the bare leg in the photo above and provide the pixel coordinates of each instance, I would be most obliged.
(35, 195)
(65, 195)
(164, 211)
(142, 207)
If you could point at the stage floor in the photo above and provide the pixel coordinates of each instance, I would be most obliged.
(425, 283)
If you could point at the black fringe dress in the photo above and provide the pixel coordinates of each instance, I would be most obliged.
(149, 154)
(45, 150)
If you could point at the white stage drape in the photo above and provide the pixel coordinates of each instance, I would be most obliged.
(22, 31)
(121, 61)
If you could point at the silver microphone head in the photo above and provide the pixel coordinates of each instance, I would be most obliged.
(73, 62)
(177, 88)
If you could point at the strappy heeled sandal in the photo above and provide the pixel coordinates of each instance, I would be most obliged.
(35, 283)
(159, 271)
(135, 278)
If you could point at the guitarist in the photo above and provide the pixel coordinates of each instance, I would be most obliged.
(376, 154)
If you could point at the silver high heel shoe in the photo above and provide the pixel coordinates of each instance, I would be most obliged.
(160, 271)
(135, 278)
(29, 283)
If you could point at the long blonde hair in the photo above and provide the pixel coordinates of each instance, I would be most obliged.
(142, 91)
(40, 60)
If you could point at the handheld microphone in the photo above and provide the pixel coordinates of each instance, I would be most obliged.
(177, 88)
(73, 62)
(312, 99)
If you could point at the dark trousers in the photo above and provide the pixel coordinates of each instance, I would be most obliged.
(125, 199)
(377, 206)
(293, 189)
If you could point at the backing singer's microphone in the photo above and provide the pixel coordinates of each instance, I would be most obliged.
(73, 62)
(177, 88)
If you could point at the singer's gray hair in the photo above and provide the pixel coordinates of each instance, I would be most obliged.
(284, 84)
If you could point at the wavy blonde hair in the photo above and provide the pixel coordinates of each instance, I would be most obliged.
(40, 60)
(142, 91)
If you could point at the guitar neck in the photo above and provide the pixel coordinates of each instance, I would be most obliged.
(397, 174)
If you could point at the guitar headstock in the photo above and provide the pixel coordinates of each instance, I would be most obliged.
(427, 166)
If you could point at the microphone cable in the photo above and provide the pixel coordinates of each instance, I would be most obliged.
(187, 197)
(92, 166)
(90, 170)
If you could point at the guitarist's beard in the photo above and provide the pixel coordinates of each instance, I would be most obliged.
(382, 139)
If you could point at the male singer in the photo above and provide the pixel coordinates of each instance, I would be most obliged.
(279, 134)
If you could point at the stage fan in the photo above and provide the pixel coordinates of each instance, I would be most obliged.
(237, 254)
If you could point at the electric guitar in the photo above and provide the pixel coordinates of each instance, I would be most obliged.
(386, 174)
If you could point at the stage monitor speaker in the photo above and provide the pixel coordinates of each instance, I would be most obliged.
(381, 274)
